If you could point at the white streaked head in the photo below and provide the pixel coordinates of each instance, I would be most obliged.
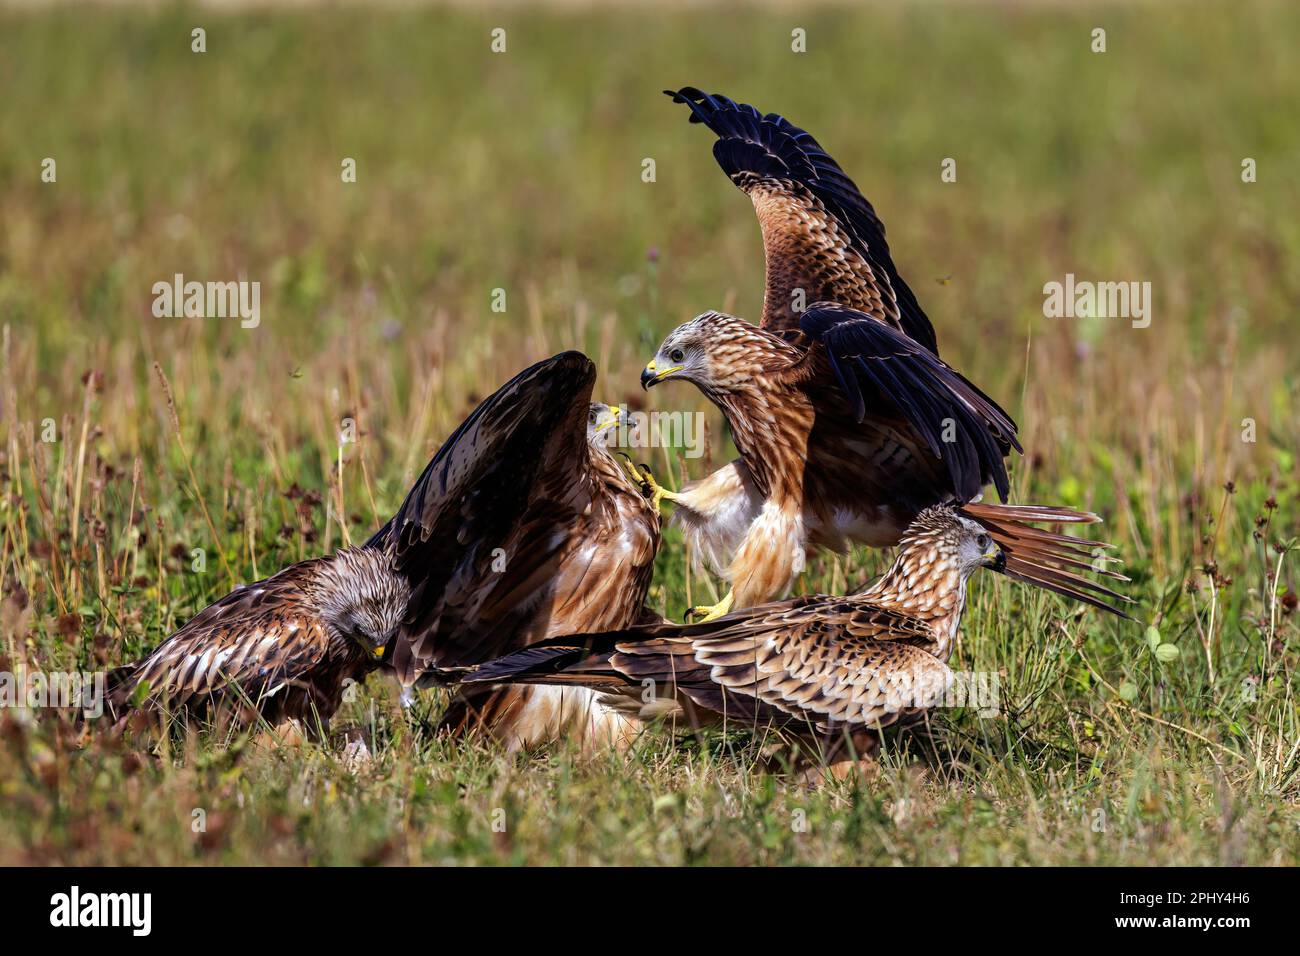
(361, 597)
(600, 419)
(715, 351)
(945, 536)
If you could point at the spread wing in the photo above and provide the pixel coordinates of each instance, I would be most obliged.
(253, 644)
(481, 532)
(820, 235)
(822, 662)
(878, 368)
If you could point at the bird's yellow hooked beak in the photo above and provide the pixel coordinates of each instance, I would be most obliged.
(615, 413)
(379, 651)
(996, 558)
(653, 376)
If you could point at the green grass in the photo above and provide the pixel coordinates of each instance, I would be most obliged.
(522, 171)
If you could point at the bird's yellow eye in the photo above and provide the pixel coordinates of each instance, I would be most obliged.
(677, 355)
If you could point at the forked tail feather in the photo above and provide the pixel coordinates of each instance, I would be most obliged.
(1045, 558)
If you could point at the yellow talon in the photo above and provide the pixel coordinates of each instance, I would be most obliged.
(643, 476)
(707, 613)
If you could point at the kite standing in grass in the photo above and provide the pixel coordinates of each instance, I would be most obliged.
(832, 670)
(278, 650)
(847, 421)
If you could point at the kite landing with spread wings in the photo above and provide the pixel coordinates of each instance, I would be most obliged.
(521, 527)
(831, 669)
(847, 421)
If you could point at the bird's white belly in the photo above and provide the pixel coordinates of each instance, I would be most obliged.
(878, 528)
(715, 513)
(549, 712)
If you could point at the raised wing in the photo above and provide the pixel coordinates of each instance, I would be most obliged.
(481, 532)
(820, 235)
(876, 366)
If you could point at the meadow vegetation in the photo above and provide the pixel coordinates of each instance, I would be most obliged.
(130, 442)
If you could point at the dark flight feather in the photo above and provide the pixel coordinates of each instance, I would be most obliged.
(479, 494)
(753, 147)
(869, 356)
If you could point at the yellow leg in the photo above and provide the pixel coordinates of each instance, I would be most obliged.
(643, 476)
(703, 613)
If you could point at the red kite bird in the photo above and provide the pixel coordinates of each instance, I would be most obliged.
(833, 669)
(522, 526)
(280, 649)
(847, 421)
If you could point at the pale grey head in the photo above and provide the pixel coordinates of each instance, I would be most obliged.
(714, 351)
(602, 419)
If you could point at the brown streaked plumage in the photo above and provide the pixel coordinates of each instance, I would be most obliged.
(523, 526)
(822, 240)
(821, 666)
(847, 421)
(279, 649)
(827, 459)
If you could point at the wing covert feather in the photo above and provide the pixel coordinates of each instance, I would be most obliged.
(820, 234)
(960, 424)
